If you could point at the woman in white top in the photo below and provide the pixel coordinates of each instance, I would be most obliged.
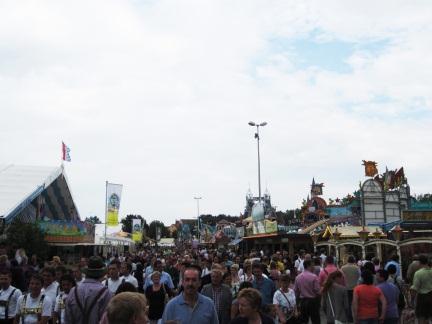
(247, 273)
(285, 301)
(235, 280)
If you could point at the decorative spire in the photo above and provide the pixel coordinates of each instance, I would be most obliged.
(249, 193)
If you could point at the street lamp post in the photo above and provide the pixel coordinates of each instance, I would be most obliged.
(364, 234)
(397, 234)
(377, 236)
(315, 236)
(259, 165)
(198, 215)
(336, 237)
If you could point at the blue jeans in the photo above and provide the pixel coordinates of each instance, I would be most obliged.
(368, 321)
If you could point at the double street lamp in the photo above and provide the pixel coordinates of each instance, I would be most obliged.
(258, 125)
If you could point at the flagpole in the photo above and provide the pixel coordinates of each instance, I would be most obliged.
(62, 158)
(106, 193)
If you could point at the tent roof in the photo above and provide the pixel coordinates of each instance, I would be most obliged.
(20, 185)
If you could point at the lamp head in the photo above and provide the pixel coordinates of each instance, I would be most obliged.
(252, 123)
(263, 124)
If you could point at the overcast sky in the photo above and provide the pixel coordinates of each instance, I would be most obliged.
(157, 95)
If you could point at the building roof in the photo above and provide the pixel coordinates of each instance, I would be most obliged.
(351, 231)
(312, 227)
(21, 185)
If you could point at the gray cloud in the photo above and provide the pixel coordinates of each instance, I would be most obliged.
(157, 96)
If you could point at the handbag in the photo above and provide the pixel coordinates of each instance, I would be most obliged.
(401, 300)
(166, 297)
(290, 311)
(332, 310)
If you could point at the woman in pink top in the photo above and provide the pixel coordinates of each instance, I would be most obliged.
(329, 268)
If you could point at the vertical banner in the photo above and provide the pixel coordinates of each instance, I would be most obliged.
(113, 196)
(136, 230)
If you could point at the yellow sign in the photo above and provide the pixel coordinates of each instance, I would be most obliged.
(417, 215)
(113, 197)
(271, 227)
(112, 218)
(137, 237)
(136, 230)
(258, 227)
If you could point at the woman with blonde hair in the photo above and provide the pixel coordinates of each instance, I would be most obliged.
(127, 308)
(249, 301)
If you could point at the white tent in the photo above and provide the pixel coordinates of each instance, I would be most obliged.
(30, 191)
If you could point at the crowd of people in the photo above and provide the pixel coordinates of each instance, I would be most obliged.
(211, 286)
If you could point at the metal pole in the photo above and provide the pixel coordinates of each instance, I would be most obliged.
(198, 233)
(259, 166)
(106, 193)
(198, 215)
(259, 160)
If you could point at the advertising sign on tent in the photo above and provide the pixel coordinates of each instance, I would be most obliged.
(271, 226)
(60, 231)
(258, 227)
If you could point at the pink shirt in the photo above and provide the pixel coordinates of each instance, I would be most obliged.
(306, 285)
(325, 272)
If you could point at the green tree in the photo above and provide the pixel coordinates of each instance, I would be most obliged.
(174, 234)
(28, 236)
(127, 222)
(93, 220)
(424, 198)
(213, 220)
(152, 229)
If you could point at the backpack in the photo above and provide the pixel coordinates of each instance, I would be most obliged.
(86, 311)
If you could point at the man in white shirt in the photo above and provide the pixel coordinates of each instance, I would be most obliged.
(51, 288)
(125, 270)
(34, 307)
(206, 268)
(66, 284)
(298, 264)
(78, 275)
(113, 281)
(323, 256)
(8, 298)
(300, 268)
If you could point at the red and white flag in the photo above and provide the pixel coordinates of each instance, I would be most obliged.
(65, 153)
